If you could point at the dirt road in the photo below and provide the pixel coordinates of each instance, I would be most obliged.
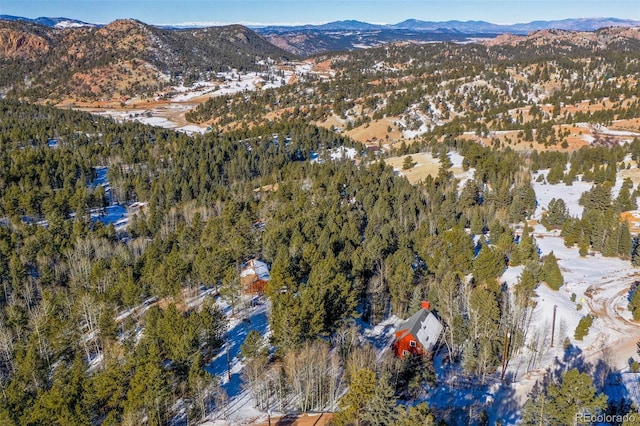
(608, 301)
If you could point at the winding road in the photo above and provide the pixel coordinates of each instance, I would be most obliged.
(608, 301)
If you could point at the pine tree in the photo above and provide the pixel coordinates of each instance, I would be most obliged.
(198, 384)
(413, 373)
(556, 173)
(382, 407)
(108, 391)
(484, 314)
(460, 248)
(556, 215)
(488, 265)
(212, 324)
(327, 299)
(525, 287)
(282, 277)
(551, 271)
(444, 172)
(576, 394)
(583, 245)
(63, 404)
(523, 203)
(355, 402)
(635, 251)
(633, 418)
(560, 403)
(148, 393)
(470, 195)
(598, 198)
(527, 248)
(634, 304)
(253, 346)
(624, 201)
(408, 163)
(172, 274)
(285, 321)
(477, 225)
(624, 240)
(231, 290)
(470, 356)
(415, 415)
(571, 232)
(400, 278)
(535, 411)
(583, 327)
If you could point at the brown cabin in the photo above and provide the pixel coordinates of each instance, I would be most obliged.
(254, 276)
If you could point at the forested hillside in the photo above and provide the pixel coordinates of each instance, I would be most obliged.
(533, 89)
(100, 326)
(122, 320)
(122, 59)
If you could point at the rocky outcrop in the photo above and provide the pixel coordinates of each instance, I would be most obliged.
(17, 44)
(600, 39)
(124, 58)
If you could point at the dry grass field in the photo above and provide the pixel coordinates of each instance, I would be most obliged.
(633, 172)
(629, 125)
(425, 165)
(385, 132)
(633, 219)
(376, 131)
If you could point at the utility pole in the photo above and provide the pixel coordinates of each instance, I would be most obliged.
(553, 324)
(268, 410)
(228, 362)
(504, 354)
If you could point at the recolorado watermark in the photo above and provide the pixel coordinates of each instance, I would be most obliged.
(588, 418)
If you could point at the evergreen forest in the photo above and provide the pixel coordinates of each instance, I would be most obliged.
(105, 324)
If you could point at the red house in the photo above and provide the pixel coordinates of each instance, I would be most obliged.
(418, 334)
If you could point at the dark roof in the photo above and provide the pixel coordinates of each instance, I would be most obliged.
(424, 326)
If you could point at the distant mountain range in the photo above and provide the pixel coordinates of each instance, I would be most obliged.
(60, 58)
(50, 22)
(307, 40)
(464, 27)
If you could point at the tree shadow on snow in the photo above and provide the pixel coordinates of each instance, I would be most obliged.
(463, 401)
(227, 366)
(572, 357)
(606, 379)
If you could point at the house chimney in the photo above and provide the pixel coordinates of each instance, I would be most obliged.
(426, 305)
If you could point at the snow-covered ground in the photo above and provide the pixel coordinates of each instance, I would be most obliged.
(459, 173)
(606, 131)
(184, 98)
(338, 153)
(189, 93)
(601, 287)
(422, 128)
(342, 152)
(569, 193)
(227, 365)
(594, 285)
(116, 214)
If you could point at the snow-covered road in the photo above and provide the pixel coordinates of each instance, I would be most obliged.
(619, 334)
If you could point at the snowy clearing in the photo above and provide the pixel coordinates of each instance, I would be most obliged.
(228, 366)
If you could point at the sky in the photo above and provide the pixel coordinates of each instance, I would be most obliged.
(254, 12)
